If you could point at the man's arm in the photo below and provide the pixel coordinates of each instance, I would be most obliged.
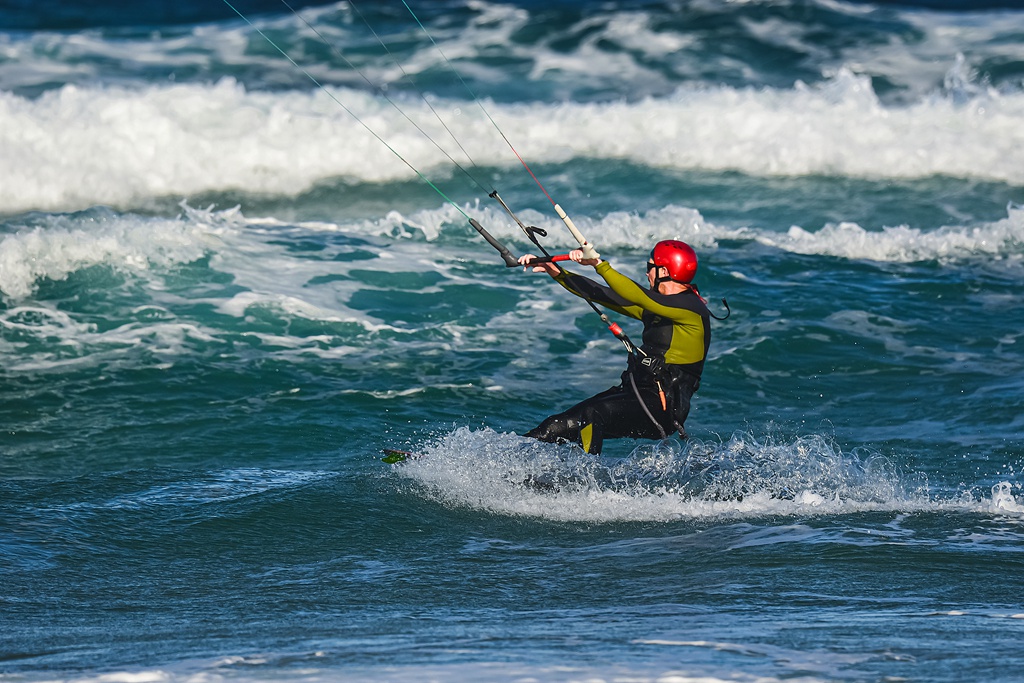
(585, 288)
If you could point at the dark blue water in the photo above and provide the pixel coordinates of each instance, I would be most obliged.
(224, 290)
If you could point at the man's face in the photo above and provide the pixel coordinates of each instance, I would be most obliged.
(652, 273)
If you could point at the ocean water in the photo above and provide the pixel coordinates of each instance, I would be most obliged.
(229, 279)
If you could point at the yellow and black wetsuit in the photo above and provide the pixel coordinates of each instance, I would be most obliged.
(676, 337)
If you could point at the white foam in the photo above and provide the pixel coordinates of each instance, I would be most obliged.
(145, 251)
(839, 128)
(77, 146)
(742, 478)
(487, 470)
(54, 340)
(905, 244)
(1003, 499)
(64, 245)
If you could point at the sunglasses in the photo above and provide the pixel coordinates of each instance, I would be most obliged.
(651, 265)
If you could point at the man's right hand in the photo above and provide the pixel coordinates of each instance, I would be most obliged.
(576, 255)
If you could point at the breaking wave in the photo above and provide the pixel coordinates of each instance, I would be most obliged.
(77, 147)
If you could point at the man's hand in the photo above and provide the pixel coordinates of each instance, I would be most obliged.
(577, 256)
(549, 268)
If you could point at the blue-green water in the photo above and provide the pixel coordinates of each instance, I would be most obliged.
(222, 297)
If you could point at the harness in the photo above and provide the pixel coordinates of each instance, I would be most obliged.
(661, 376)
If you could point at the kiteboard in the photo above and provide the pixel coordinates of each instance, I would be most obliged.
(393, 456)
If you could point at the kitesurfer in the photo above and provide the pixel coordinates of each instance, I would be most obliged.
(653, 398)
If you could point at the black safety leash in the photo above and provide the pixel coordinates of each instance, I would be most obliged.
(728, 311)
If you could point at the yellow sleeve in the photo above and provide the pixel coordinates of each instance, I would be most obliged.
(635, 294)
(588, 289)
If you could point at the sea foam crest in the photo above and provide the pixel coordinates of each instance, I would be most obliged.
(77, 147)
(56, 246)
(1004, 237)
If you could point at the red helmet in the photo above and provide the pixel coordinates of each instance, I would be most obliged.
(678, 257)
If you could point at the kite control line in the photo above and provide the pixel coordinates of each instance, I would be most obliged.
(588, 248)
(511, 261)
(589, 251)
(532, 231)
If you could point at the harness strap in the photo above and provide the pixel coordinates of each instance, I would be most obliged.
(643, 404)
